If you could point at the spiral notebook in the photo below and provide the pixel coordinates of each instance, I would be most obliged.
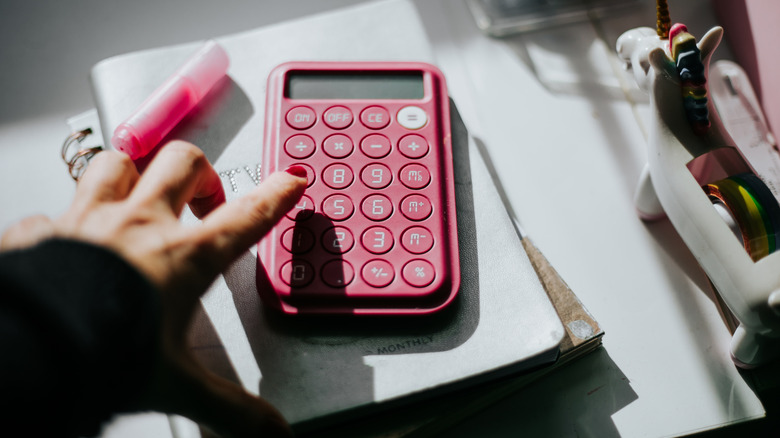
(319, 375)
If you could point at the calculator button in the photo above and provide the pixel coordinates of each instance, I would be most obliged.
(337, 146)
(375, 146)
(417, 240)
(377, 240)
(413, 146)
(337, 117)
(310, 175)
(415, 176)
(297, 273)
(304, 209)
(418, 273)
(301, 117)
(337, 273)
(337, 176)
(375, 117)
(299, 146)
(412, 117)
(298, 240)
(376, 176)
(337, 240)
(376, 207)
(416, 207)
(338, 207)
(377, 273)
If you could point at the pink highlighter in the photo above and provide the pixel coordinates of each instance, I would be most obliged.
(171, 101)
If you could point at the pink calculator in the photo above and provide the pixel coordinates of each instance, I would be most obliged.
(375, 232)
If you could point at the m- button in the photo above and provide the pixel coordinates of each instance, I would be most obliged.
(375, 117)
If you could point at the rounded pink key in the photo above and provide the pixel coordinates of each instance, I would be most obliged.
(416, 207)
(376, 176)
(413, 146)
(338, 146)
(375, 117)
(304, 209)
(297, 273)
(337, 176)
(375, 146)
(418, 273)
(337, 117)
(376, 207)
(377, 273)
(337, 273)
(415, 176)
(337, 240)
(299, 146)
(301, 117)
(377, 240)
(338, 207)
(417, 240)
(297, 240)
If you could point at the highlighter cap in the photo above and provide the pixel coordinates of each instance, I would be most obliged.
(205, 67)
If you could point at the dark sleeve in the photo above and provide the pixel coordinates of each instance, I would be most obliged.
(78, 338)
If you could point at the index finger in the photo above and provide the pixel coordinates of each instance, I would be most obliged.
(235, 226)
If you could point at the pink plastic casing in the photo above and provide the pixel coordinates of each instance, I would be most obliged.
(171, 101)
(398, 297)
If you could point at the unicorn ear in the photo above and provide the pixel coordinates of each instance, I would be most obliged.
(709, 42)
(661, 63)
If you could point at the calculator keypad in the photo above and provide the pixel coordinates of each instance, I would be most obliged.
(374, 229)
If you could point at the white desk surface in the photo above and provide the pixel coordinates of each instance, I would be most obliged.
(565, 142)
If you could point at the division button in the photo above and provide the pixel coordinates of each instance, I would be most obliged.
(378, 273)
(301, 117)
(417, 240)
(337, 117)
(297, 273)
(418, 273)
(337, 273)
(299, 146)
(412, 117)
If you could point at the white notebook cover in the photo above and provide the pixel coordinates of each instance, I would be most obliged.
(319, 371)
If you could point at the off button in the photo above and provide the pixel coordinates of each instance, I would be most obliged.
(412, 117)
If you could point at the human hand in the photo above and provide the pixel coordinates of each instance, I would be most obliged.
(137, 217)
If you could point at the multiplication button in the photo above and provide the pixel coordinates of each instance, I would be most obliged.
(337, 146)
(337, 273)
(418, 273)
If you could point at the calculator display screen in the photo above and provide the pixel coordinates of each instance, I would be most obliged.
(354, 85)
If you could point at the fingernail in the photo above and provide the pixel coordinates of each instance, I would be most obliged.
(296, 170)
